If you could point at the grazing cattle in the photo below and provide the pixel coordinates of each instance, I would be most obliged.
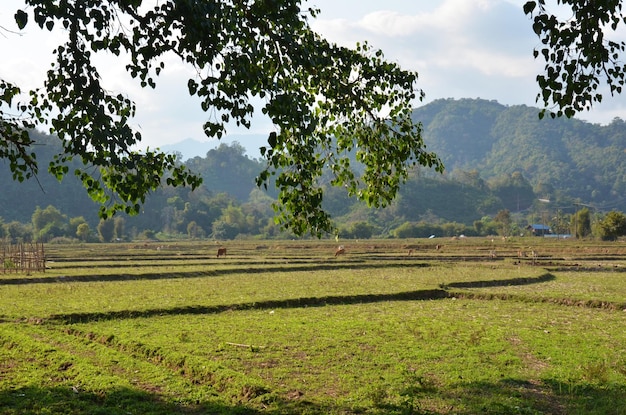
(340, 250)
(221, 252)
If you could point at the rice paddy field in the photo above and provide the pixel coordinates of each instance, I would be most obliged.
(442, 326)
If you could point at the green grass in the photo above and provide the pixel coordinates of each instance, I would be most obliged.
(282, 328)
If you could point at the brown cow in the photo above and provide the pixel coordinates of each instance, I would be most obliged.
(221, 252)
(340, 250)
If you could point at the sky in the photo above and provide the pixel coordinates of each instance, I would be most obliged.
(460, 48)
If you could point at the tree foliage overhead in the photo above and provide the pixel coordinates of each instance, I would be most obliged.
(578, 53)
(324, 100)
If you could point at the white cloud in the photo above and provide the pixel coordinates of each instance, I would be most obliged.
(480, 34)
(461, 49)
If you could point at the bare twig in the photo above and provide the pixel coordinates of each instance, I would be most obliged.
(247, 346)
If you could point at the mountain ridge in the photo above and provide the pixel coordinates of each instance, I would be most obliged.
(190, 147)
(582, 160)
(484, 145)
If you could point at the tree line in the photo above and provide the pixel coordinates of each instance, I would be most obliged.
(235, 221)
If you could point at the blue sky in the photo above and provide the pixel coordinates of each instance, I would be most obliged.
(460, 48)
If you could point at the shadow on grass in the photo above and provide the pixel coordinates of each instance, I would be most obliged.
(260, 305)
(419, 295)
(508, 396)
(208, 273)
(502, 283)
(520, 396)
(118, 401)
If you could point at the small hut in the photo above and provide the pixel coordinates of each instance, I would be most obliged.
(539, 230)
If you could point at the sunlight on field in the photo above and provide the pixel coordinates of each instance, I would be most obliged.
(389, 327)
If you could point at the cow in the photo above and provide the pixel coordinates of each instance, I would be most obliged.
(340, 250)
(221, 252)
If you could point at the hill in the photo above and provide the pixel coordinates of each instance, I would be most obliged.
(561, 158)
(190, 148)
(497, 157)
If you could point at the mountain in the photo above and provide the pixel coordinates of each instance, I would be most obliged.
(190, 148)
(18, 200)
(559, 157)
(497, 157)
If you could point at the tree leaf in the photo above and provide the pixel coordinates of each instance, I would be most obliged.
(529, 7)
(21, 18)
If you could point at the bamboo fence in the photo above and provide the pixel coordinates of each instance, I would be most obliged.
(23, 257)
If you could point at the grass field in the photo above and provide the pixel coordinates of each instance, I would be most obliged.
(472, 326)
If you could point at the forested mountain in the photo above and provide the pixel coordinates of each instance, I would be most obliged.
(497, 158)
(18, 200)
(560, 157)
(226, 169)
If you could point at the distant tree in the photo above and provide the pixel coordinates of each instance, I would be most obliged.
(416, 230)
(106, 230)
(258, 210)
(232, 222)
(74, 223)
(479, 226)
(612, 226)
(204, 208)
(357, 230)
(18, 232)
(272, 230)
(119, 230)
(48, 223)
(503, 218)
(561, 222)
(224, 230)
(486, 226)
(148, 234)
(194, 231)
(228, 169)
(83, 232)
(581, 223)
(446, 200)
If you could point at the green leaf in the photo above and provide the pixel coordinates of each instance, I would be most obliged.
(271, 140)
(21, 18)
(529, 7)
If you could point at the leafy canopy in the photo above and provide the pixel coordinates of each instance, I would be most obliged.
(326, 102)
(578, 53)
